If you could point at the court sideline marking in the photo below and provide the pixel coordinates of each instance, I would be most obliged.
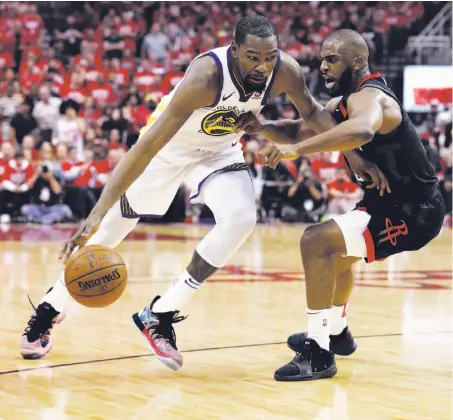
(198, 350)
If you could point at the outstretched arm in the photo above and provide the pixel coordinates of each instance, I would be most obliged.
(198, 90)
(365, 119)
(315, 117)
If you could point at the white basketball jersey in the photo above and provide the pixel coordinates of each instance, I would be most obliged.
(211, 128)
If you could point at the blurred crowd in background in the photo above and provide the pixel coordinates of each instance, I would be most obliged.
(79, 79)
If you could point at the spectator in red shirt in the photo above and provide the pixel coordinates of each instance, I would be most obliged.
(343, 193)
(324, 168)
(118, 75)
(7, 152)
(183, 55)
(90, 44)
(10, 25)
(128, 61)
(6, 58)
(145, 78)
(50, 60)
(114, 140)
(74, 89)
(32, 26)
(30, 72)
(102, 92)
(90, 113)
(127, 28)
(17, 180)
(136, 113)
(78, 176)
(93, 70)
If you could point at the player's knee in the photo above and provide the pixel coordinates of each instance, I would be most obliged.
(315, 238)
(309, 239)
(241, 220)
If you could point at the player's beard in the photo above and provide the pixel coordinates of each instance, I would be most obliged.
(343, 84)
(249, 87)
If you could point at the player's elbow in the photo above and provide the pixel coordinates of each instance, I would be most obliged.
(365, 133)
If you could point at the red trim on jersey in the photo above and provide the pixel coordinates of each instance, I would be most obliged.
(343, 110)
(370, 76)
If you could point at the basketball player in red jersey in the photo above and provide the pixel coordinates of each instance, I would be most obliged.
(189, 138)
(371, 121)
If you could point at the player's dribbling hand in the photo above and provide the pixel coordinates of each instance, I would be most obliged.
(85, 231)
(249, 123)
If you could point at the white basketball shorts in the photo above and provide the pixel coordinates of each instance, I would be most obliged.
(154, 190)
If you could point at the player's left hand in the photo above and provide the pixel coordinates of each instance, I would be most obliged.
(80, 238)
(378, 179)
(370, 172)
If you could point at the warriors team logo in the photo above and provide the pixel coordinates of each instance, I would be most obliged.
(220, 122)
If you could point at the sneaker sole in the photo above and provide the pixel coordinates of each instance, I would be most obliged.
(325, 374)
(36, 356)
(167, 361)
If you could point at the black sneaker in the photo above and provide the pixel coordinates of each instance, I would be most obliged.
(157, 329)
(311, 362)
(35, 342)
(342, 344)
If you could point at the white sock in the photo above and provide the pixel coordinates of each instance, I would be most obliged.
(319, 326)
(58, 296)
(339, 322)
(178, 294)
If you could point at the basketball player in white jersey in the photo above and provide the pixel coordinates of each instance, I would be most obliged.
(191, 138)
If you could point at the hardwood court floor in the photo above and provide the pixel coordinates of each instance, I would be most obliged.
(233, 340)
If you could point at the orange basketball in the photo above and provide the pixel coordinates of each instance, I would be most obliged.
(95, 276)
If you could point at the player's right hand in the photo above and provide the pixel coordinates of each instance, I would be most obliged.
(249, 123)
(80, 238)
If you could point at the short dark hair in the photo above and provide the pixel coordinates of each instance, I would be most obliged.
(259, 26)
(352, 42)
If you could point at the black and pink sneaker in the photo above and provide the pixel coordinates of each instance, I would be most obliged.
(158, 330)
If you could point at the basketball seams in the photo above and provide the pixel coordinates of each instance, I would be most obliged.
(95, 271)
(100, 247)
(87, 273)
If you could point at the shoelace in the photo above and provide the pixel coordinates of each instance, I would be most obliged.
(33, 322)
(165, 328)
(304, 354)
